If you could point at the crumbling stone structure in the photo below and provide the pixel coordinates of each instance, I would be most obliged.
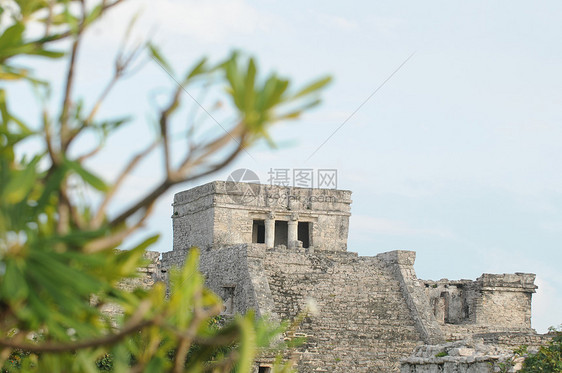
(274, 249)
(468, 307)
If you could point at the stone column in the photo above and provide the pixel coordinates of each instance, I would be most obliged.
(292, 228)
(270, 231)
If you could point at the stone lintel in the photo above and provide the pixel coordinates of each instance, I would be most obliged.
(523, 282)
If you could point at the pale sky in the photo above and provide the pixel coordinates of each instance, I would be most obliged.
(455, 157)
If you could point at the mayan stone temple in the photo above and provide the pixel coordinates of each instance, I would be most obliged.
(275, 249)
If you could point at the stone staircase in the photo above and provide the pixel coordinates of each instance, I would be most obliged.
(363, 320)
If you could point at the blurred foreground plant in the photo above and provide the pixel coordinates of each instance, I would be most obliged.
(58, 250)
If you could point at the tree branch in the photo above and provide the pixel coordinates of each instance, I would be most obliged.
(141, 205)
(74, 215)
(65, 134)
(63, 213)
(186, 340)
(100, 214)
(55, 159)
(49, 19)
(166, 184)
(74, 133)
(115, 239)
(122, 62)
(216, 167)
(91, 153)
(164, 128)
(65, 34)
(237, 132)
(136, 323)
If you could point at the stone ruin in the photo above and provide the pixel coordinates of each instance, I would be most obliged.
(275, 249)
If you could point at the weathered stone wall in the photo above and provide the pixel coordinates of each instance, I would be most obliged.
(512, 339)
(491, 303)
(506, 299)
(193, 218)
(234, 267)
(452, 365)
(363, 322)
(216, 214)
(452, 302)
(232, 272)
(469, 356)
(373, 311)
(402, 263)
(483, 353)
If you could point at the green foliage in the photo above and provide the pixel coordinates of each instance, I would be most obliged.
(264, 103)
(16, 361)
(442, 354)
(63, 257)
(105, 363)
(547, 359)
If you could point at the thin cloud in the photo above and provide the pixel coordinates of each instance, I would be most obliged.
(338, 22)
(213, 21)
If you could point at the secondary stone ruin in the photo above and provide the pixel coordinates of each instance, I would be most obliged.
(274, 249)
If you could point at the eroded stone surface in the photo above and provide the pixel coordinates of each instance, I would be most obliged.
(472, 355)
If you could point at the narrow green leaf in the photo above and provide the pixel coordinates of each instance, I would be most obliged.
(313, 87)
(4, 108)
(28, 7)
(12, 36)
(155, 53)
(249, 89)
(247, 344)
(13, 284)
(52, 184)
(297, 112)
(279, 87)
(25, 130)
(94, 14)
(46, 53)
(129, 260)
(236, 85)
(199, 68)
(54, 19)
(266, 92)
(86, 175)
(21, 183)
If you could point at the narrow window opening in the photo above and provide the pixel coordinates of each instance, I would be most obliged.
(258, 231)
(264, 369)
(439, 309)
(304, 234)
(446, 304)
(281, 232)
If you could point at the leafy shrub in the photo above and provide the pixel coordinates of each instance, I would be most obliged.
(548, 359)
(58, 248)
